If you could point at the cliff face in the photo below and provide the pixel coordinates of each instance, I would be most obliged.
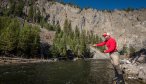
(127, 27)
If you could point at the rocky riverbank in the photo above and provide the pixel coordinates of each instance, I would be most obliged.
(135, 71)
(16, 60)
(9, 60)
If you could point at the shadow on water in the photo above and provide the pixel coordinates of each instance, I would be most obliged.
(65, 72)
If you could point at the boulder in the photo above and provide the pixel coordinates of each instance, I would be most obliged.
(135, 71)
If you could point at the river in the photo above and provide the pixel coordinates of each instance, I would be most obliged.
(62, 72)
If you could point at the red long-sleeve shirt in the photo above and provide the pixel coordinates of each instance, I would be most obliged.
(110, 44)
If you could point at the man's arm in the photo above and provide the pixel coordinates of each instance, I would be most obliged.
(101, 44)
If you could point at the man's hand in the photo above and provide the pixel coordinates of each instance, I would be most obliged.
(104, 51)
(94, 45)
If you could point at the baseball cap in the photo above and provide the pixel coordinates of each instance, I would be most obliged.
(105, 34)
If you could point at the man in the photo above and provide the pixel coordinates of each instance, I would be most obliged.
(112, 50)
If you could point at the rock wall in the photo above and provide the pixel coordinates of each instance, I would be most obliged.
(127, 27)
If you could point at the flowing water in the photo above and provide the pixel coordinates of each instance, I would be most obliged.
(64, 72)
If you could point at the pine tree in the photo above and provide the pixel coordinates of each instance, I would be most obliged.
(23, 45)
(31, 13)
(66, 26)
(29, 41)
(9, 37)
(131, 50)
(77, 32)
(58, 29)
(38, 17)
(42, 22)
(35, 41)
(69, 29)
(19, 8)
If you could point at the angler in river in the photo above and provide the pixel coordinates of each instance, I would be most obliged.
(113, 54)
